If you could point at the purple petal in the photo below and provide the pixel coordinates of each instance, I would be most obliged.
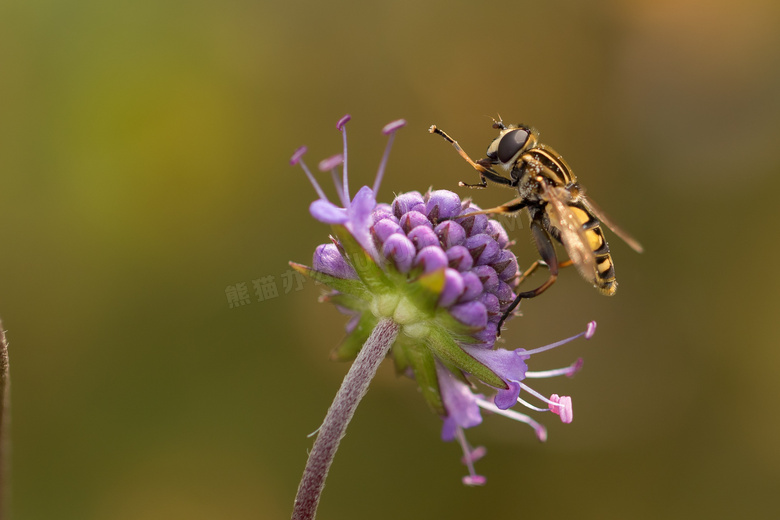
(459, 402)
(431, 258)
(472, 287)
(505, 294)
(442, 205)
(474, 224)
(482, 248)
(498, 233)
(413, 219)
(360, 217)
(471, 313)
(404, 203)
(450, 233)
(507, 397)
(505, 264)
(328, 212)
(362, 206)
(328, 259)
(453, 287)
(383, 211)
(353, 321)
(400, 251)
(490, 301)
(508, 365)
(486, 337)
(422, 236)
(488, 277)
(460, 258)
(382, 230)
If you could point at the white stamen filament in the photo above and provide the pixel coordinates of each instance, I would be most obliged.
(381, 172)
(511, 414)
(343, 196)
(467, 459)
(565, 371)
(313, 181)
(345, 184)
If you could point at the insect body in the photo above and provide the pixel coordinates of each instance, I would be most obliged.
(556, 204)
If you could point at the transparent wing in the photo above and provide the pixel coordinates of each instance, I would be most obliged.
(599, 214)
(572, 235)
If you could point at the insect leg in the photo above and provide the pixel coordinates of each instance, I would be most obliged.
(538, 263)
(547, 251)
(484, 171)
(513, 206)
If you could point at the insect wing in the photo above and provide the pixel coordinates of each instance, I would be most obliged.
(572, 234)
(597, 212)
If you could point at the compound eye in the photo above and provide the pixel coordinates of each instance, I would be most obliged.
(511, 143)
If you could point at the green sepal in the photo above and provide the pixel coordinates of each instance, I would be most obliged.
(345, 300)
(400, 353)
(365, 267)
(424, 365)
(351, 345)
(444, 346)
(461, 331)
(426, 289)
(348, 286)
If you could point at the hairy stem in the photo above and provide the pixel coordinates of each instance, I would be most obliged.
(334, 427)
(5, 401)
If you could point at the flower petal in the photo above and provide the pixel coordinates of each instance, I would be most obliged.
(328, 212)
(509, 365)
(328, 259)
(459, 402)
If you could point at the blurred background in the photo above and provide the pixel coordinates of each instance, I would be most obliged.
(144, 175)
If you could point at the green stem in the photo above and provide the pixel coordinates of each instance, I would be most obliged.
(334, 427)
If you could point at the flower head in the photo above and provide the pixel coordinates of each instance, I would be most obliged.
(446, 275)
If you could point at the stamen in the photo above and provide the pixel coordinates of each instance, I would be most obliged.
(390, 130)
(343, 121)
(331, 162)
(472, 479)
(588, 333)
(342, 128)
(534, 393)
(532, 407)
(392, 126)
(474, 454)
(541, 432)
(568, 371)
(297, 158)
(561, 406)
(591, 330)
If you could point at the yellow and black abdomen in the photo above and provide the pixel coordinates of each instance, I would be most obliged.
(602, 273)
(605, 270)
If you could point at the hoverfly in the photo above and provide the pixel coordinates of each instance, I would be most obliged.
(556, 204)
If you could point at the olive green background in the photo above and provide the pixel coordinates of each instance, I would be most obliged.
(144, 152)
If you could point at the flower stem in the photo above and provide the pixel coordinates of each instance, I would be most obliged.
(5, 401)
(334, 427)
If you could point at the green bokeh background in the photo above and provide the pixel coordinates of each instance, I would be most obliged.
(144, 169)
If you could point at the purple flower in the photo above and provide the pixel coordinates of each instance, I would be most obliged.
(446, 275)
(355, 215)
